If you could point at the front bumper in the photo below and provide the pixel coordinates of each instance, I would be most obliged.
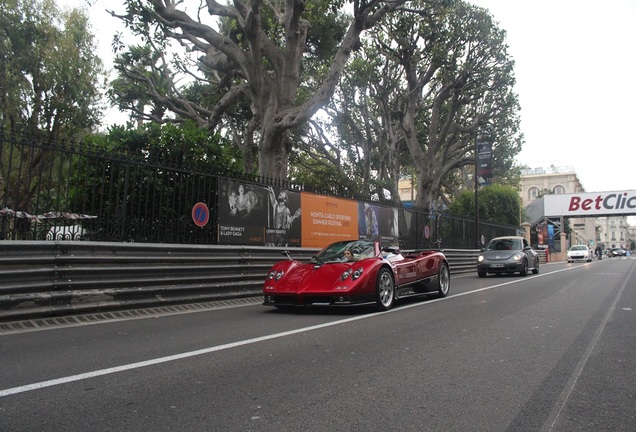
(578, 257)
(272, 299)
(504, 267)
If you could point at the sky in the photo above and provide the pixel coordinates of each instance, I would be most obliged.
(574, 61)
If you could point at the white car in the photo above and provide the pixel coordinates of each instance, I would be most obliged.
(580, 253)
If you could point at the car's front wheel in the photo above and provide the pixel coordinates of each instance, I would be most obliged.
(443, 280)
(385, 290)
(524, 272)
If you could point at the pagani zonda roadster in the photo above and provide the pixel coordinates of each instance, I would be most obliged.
(357, 272)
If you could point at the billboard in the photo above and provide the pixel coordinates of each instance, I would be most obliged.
(283, 227)
(327, 219)
(243, 210)
(255, 215)
(378, 223)
(591, 204)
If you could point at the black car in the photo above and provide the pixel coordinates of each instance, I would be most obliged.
(508, 255)
(613, 252)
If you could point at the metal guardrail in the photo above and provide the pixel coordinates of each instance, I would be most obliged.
(41, 279)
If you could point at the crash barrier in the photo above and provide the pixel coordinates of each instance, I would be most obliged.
(43, 279)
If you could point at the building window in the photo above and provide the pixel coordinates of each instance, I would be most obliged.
(533, 193)
(558, 190)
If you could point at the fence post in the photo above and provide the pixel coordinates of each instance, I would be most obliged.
(125, 203)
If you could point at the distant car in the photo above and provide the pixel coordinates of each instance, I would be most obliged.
(356, 272)
(579, 253)
(509, 255)
(613, 252)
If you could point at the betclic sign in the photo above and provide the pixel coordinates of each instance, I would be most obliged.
(591, 204)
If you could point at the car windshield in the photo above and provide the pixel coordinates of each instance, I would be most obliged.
(504, 244)
(579, 247)
(335, 252)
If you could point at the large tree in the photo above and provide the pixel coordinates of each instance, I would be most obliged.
(445, 77)
(50, 91)
(49, 73)
(364, 114)
(459, 82)
(254, 51)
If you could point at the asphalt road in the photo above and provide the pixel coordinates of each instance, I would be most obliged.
(548, 352)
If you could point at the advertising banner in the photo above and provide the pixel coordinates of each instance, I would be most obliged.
(378, 223)
(283, 219)
(243, 213)
(327, 219)
(256, 215)
(484, 161)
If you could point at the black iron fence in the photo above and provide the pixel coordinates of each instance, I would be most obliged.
(59, 191)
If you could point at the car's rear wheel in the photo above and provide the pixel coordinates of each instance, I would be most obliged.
(535, 270)
(385, 290)
(443, 280)
(524, 272)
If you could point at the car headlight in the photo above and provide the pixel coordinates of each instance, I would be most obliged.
(357, 273)
(346, 274)
(517, 256)
(480, 258)
(276, 275)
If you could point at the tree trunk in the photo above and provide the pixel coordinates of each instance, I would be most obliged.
(274, 154)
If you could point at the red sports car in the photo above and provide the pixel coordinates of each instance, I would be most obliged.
(357, 272)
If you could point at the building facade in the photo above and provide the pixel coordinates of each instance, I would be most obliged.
(540, 181)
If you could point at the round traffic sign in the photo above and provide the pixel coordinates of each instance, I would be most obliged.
(427, 231)
(200, 214)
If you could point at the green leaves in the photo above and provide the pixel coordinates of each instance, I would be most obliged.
(497, 203)
(49, 72)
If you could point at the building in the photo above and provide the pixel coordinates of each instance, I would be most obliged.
(406, 189)
(540, 181)
(614, 232)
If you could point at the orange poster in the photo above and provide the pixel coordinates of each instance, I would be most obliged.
(327, 219)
